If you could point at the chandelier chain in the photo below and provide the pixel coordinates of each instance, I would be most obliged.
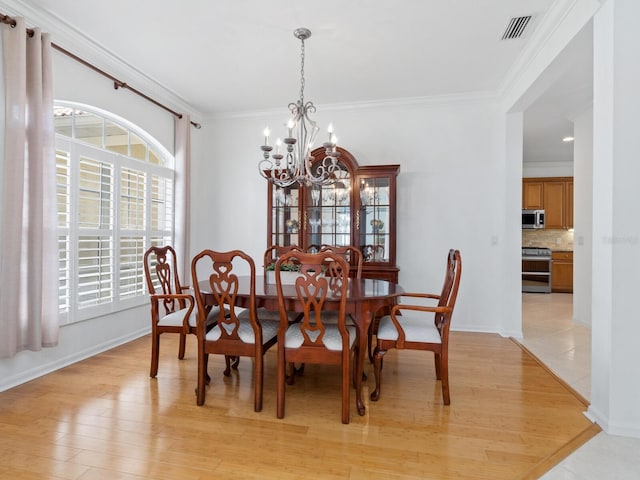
(302, 72)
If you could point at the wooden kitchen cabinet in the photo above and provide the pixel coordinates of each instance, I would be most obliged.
(554, 204)
(562, 272)
(569, 204)
(554, 195)
(532, 194)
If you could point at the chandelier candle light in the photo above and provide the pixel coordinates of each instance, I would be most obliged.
(294, 165)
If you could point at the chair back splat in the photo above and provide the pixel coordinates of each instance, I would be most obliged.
(322, 285)
(408, 326)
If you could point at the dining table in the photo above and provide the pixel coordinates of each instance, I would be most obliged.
(365, 297)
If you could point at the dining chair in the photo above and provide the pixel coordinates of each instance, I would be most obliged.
(173, 309)
(351, 254)
(311, 340)
(241, 333)
(422, 327)
(273, 252)
(313, 248)
(271, 255)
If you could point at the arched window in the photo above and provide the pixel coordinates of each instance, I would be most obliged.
(115, 198)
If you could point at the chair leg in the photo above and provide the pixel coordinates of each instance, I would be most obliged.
(373, 328)
(444, 371)
(202, 373)
(377, 367)
(155, 353)
(259, 373)
(207, 378)
(280, 382)
(182, 347)
(437, 360)
(227, 362)
(354, 368)
(236, 362)
(346, 388)
(291, 376)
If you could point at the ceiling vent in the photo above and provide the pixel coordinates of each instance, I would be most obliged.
(516, 27)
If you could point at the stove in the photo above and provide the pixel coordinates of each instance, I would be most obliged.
(536, 253)
(536, 270)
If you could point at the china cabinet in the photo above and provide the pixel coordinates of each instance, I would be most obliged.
(359, 209)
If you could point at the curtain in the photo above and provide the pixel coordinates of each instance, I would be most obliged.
(28, 237)
(182, 149)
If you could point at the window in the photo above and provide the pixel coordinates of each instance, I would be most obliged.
(115, 199)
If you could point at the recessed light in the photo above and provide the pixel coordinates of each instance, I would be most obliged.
(567, 139)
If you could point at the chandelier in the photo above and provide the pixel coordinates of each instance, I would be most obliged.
(291, 163)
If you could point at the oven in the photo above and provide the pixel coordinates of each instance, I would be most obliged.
(536, 270)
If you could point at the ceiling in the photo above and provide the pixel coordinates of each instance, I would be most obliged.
(568, 92)
(241, 56)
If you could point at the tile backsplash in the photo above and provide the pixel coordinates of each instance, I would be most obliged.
(549, 238)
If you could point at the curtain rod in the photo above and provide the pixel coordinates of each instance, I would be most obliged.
(116, 83)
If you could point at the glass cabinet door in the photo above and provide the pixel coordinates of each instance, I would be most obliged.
(285, 216)
(375, 219)
(328, 214)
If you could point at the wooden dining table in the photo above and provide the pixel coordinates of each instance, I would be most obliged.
(365, 297)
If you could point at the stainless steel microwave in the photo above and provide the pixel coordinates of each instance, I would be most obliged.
(532, 218)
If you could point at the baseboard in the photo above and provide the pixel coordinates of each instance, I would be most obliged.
(612, 428)
(43, 369)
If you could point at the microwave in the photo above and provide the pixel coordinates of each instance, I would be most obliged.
(532, 218)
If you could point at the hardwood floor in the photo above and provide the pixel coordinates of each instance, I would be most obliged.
(104, 418)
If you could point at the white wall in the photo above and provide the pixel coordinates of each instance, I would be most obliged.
(448, 190)
(547, 169)
(615, 383)
(582, 216)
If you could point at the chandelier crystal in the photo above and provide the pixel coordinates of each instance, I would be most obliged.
(292, 162)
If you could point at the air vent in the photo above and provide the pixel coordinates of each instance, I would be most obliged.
(516, 27)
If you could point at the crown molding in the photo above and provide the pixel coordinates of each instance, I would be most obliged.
(88, 49)
(466, 98)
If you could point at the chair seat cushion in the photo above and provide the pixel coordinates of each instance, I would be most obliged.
(245, 330)
(332, 339)
(417, 327)
(176, 318)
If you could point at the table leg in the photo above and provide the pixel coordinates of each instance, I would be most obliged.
(363, 321)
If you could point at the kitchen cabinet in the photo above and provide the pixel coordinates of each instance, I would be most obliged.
(532, 194)
(562, 272)
(569, 204)
(554, 195)
(358, 210)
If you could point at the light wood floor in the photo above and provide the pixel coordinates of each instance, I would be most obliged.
(103, 418)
